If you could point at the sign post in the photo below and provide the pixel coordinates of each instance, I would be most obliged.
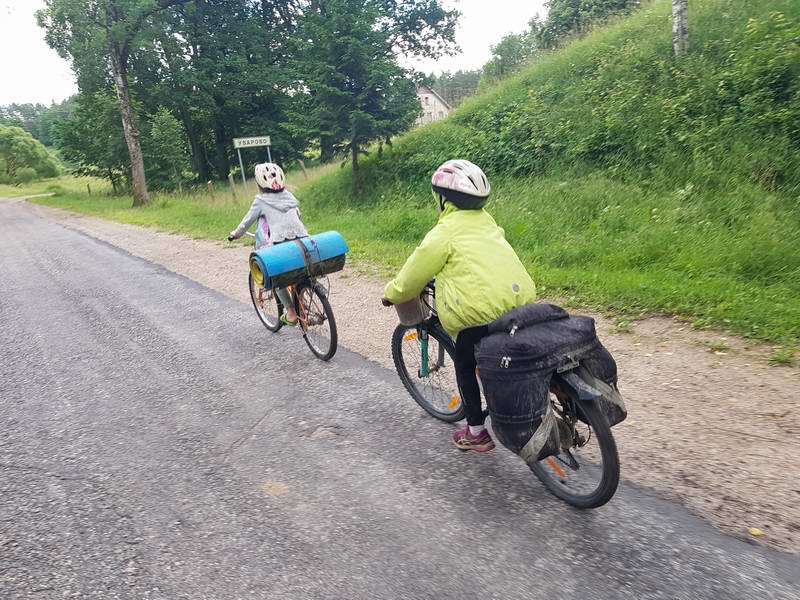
(241, 167)
(251, 142)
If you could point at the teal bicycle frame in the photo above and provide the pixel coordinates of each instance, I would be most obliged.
(422, 331)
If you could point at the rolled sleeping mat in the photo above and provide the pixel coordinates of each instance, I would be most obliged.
(288, 262)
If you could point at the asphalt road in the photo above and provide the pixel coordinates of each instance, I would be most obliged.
(157, 442)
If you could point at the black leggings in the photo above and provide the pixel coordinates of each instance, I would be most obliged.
(465, 372)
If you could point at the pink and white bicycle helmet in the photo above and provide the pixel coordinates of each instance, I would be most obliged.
(462, 183)
(269, 176)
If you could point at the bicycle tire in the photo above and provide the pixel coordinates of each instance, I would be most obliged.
(591, 415)
(275, 326)
(446, 342)
(324, 354)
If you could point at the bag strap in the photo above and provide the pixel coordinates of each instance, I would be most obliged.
(307, 254)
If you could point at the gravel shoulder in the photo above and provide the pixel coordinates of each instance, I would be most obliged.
(717, 431)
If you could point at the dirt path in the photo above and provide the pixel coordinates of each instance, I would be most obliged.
(720, 432)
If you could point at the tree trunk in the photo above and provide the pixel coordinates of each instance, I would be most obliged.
(325, 149)
(680, 26)
(138, 181)
(356, 172)
(199, 160)
(221, 162)
(113, 179)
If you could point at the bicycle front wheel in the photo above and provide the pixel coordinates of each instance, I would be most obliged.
(424, 358)
(586, 474)
(317, 321)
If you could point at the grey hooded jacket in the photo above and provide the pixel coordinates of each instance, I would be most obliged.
(282, 214)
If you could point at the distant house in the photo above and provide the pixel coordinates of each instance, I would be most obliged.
(434, 106)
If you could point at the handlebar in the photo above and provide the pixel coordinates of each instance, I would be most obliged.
(248, 234)
(427, 296)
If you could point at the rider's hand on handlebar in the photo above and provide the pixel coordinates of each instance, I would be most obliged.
(386, 302)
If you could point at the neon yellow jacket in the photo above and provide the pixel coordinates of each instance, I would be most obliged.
(478, 275)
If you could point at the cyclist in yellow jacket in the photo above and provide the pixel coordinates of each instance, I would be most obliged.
(479, 278)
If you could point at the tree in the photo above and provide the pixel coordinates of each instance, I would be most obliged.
(509, 55)
(356, 91)
(92, 141)
(36, 119)
(680, 26)
(454, 87)
(23, 158)
(23, 115)
(571, 17)
(106, 29)
(565, 18)
(222, 68)
(167, 149)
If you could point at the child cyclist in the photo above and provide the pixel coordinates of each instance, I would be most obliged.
(278, 214)
(479, 278)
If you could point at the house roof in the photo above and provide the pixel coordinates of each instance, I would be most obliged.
(429, 90)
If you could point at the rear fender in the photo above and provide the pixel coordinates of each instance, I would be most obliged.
(578, 388)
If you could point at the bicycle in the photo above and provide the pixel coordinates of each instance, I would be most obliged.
(582, 474)
(313, 309)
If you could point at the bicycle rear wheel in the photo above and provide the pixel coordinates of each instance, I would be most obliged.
(585, 474)
(268, 307)
(423, 356)
(317, 321)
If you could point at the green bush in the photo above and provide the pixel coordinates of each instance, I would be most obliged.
(23, 158)
(26, 175)
(167, 152)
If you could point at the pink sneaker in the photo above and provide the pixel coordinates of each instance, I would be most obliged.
(464, 440)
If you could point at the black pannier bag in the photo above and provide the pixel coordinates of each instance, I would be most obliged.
(517, 360)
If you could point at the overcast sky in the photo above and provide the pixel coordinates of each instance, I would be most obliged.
(31, 72)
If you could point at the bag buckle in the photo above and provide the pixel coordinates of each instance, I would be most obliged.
(571, 364)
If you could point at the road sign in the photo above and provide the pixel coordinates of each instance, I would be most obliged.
(251, 142)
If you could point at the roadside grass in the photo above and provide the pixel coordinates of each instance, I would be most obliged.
(201, 212)
(727, 260)
(56, 185)
(717, 346)
(590, 240)
(783, 357)
(622, 325)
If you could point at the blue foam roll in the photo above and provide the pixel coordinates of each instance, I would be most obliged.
(286, 259)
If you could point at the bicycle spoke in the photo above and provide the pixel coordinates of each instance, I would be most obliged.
(578, 469)
(434, 380)
(316, 326)
(266, 305)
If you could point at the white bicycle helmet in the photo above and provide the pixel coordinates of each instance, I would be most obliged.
(269, 176)
(462, 183)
